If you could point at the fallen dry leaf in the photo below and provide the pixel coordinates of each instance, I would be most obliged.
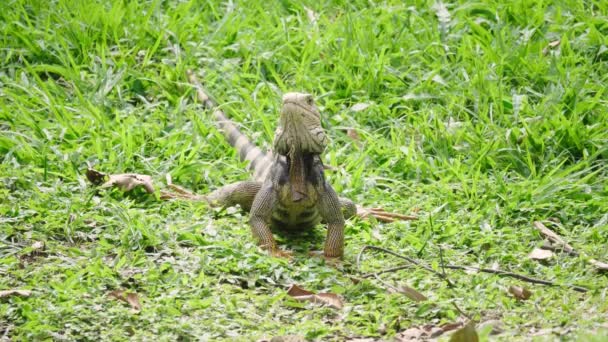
(11, 293)
(540, 254)
(38, 246)
(550, 46)
(312, 16)
(465, 334)
(411, 293)
(124, 181)
(357, 107)
(412, 334)
(285, 338)
(426, 332)
(128, 181)
(601, 266)
(521, 293)
(302, 295)
(96, 177)
(352, 133)
(131, 298)
(553, 237)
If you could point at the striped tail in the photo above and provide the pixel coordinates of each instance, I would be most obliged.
(259, 162)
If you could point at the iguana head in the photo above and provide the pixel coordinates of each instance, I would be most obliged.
(299, 129)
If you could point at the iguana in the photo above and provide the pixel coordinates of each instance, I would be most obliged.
(289, 190)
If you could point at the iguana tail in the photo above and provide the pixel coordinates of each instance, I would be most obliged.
(259, 161)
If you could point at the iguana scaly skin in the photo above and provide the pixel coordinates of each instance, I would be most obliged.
(289, 190)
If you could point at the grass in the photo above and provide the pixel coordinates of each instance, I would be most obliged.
(476, 118)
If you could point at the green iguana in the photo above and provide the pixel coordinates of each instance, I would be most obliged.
(289, 190)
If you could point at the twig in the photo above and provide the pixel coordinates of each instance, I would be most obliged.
(411, 260)
(458, 267)
(517, 276)
(461, 312)
(388, 270)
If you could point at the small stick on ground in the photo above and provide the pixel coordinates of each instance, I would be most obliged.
(411, 260)
(458, 267)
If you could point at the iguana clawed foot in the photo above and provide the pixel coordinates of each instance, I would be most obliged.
(277, 252)
(333, 261)
(382, 215)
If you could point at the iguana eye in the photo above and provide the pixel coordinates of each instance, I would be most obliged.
(309, 100)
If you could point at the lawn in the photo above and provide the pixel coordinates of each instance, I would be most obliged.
(481, 118)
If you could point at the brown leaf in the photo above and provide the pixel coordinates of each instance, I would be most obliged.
(465, 334)
(128, 181)
(312, 16)
(95, 176)
(412, 334)
(302, 295)
(551, 45)
(425, 332)
(118, 294)
(411, 293)
(521, 293)
(38, 246)
(357, 107)
(288, 338)
(124, 181)
(10, 293)
(553, 237)
(601, 266)
(352, 133)
(540, 254)
(131, 298)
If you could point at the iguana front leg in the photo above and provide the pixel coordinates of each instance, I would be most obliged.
(241, 193)
(330, 210)
(259, 216)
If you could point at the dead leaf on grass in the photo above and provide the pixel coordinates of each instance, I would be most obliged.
(38, 246)
(553, 237)
(357, 107)
(131, 298)
(286, 338)
(540, 254)
(520, 293)
(426, 332)
(124, 181)
(11, 293)
(465, 334)
(352, 133)
(302, 295)
(599, 265)
(312, 16)
(550, 46)
(411, 293)
(96, 177)
(128, 181)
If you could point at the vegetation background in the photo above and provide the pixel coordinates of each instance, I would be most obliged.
(480, 116)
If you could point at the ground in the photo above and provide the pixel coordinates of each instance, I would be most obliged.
(479, 117)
